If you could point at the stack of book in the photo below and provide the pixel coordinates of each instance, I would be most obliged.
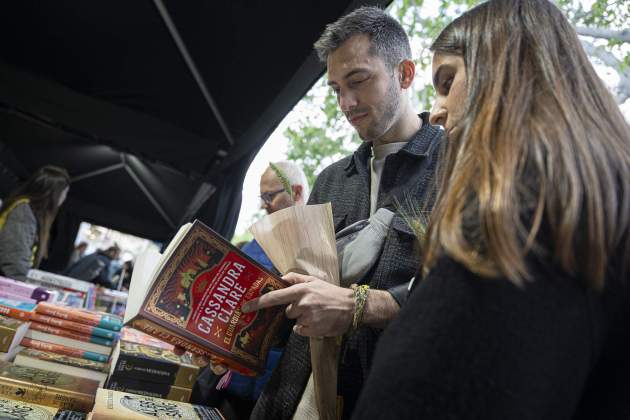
(115, 405)
(151, 371)
(19, 384)
(72, 332)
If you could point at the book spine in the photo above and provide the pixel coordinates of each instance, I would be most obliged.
(75, 326)
(39, 394)
(163, 334)
(84, 317)
(148, 388)
(64, 350)
(145, 369)
(70, 334)
(15, 313)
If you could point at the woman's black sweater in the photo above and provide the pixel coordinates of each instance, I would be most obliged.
(465, 347)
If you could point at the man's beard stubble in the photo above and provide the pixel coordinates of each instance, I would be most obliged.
(390, 106)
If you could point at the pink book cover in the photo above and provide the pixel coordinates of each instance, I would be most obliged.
(23, 290)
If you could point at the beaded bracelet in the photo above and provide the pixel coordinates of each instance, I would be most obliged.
(360, 299)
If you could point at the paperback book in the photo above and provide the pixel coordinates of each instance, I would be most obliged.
(54, 362)
(63, 350)
(92, 318)
(46, 388)
(191, 296)
(16, 309)
(116, 405)
(134, 336)
(74, 326)
(52, 334)
(21, 289)
(145, 363)
(20, 410)
(151, 389)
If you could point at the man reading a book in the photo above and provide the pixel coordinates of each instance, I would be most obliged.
(387, 179)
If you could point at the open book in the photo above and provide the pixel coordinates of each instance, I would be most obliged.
(191, 296)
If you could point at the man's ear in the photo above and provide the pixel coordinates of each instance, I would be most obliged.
(407, 72)
(297, 193)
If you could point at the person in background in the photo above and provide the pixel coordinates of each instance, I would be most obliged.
(274, 197)
(26, 217)
(95, 267)
(77, 253)
(241, 392)
(523, 311)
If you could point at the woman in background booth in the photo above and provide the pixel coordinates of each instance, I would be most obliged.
(26, 217)
(523, 310)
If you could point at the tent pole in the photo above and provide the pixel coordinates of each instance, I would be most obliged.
(181, 46)
(146, 192)
(97, 172)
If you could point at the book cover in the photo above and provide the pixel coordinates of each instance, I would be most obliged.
(72, 338)
(64, 360)
(195, 299)
(13, 296)
(64, 350)
(46, 388)
(11, 333)
(58, 280)
(24, 290)
(74, 366)
(135, 336)
(74, 326)
(20, 410)
(146, 363)
(148, 388)
(116, 405)
(16, 309)
(81, 316)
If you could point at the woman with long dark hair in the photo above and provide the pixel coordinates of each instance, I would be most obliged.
(523, 309)
(26, 217)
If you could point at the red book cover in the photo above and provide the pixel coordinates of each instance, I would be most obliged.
(195, 301)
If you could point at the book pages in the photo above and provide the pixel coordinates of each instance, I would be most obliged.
(302, 239)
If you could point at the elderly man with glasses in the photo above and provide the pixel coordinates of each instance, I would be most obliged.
(241, 392)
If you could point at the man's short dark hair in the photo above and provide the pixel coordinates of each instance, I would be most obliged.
(389, 40)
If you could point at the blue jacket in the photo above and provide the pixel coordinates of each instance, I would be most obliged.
(245, 386)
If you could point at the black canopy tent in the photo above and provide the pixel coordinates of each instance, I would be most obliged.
(156, 108)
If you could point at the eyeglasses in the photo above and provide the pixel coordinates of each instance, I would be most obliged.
(268, 197)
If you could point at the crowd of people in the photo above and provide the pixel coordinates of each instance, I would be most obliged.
(510, 300)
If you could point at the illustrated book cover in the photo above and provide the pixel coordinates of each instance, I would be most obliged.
(191, 296)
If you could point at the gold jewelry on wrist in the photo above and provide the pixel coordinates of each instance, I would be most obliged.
(360, 299)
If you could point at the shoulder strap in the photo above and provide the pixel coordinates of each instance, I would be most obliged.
(5, 214)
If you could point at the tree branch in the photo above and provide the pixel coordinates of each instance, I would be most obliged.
(623, 35)
(610, 60)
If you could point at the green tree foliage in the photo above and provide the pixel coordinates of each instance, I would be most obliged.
(321, 135)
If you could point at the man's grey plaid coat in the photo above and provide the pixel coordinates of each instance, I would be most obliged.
(407, 177)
